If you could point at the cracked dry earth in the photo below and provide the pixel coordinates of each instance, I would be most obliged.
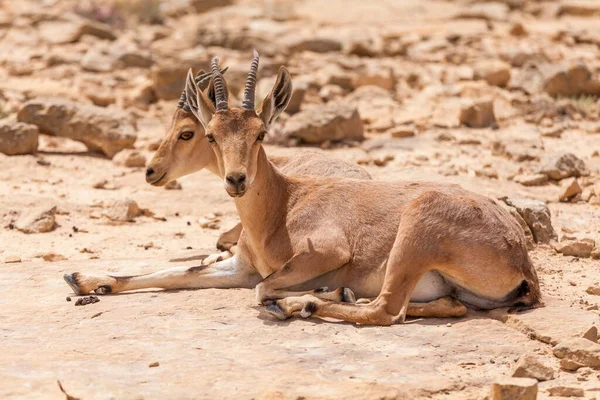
(218, 343)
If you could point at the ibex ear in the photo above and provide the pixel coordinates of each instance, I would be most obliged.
(278, 99)
(199, 104)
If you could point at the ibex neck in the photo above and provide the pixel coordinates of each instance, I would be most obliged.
(263, 205)
(213, 165)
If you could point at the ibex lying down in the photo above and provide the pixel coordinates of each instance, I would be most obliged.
(395, 241)
(185, 150)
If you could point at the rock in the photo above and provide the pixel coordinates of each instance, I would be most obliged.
(478, 115)
(298, 92)
(514, 388)
(168, 80)
(130, 158)
(18, 138)
(402, 132)
(578, 8)
(100, 129)
(569, 365)
(596, 253)
(210, 221)
(332, 121)
(490, 11)
(494, 72)
(576, 248)
(12, 259)
(531, 179)
(522, 224)
(594, 289)
(96, 61)
(316, 44)
(101, 98)
(37, 220)
(173, 185)
(331, 92)
(570, 189)
(375, 75)
(565, 391)
(122, 210)
(531, 366)
(579, 350)
(53, 257)
(592, 333)
(153, 364)
(537, 216)
(72, 28)
(374, 104)
(517, 29)
(563, 165)
(571, 81)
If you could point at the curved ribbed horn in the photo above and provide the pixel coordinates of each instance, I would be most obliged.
(220, 95)
(250, 88)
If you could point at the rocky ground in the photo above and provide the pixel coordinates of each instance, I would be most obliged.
(501, 97)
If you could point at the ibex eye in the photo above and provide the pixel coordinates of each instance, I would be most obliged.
(261, 137)
(187, 135)
(210, 138)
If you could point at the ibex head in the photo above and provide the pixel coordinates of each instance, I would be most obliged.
(236, 134)
(184, 149)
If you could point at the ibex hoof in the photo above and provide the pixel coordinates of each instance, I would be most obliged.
(276, 311)
(71, 280)
(348, 296)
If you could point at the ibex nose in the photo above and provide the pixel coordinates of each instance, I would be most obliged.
(236, 181)
(149, 172)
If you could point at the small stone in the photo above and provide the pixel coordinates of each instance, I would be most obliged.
(531, 366)
(402, 132)
(565, 391)
(569, 365)
(38, 220)
(96, 61)
(514, 388)
(579, 350)
(531, 179)
(130, 158)
(563, 165)
(382, 160)
(478, 115)
(576, 248)
(173, 185)
(592, 333)
(494, 72)
(12, 259)
(537, 216)
(570, 81)
(596, 253)
(552, 131)
(570, 189)
(122, 210)
(153, 364)
(18, 138)
(68, 298)
(594, 289)
(210, 222)
(517, 29)
(53, 257)
(332, 121)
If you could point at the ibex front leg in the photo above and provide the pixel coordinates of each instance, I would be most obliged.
(231, 273)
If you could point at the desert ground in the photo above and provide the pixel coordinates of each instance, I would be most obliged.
(500, 97)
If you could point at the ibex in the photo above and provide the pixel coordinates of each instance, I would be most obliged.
(391, 241)
(185, 150)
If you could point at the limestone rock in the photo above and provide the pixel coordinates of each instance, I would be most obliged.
(594, 289)
(168, 80)
(53, 257)
(514, 388)
(570, 189)
(537, 216)
(494, 72)
(316, 44)
(332, 121)
(37, 220)
(563, 165)
(576, 248)
(97, 61)
(130, 158)
(579, 8)
(12, 259)
(531, 179)
(571, 81)
(173, 185)
(579, 350)
(478, 115)
(531, 366)
(100, 129)
(18, 138)
(122, 210)
(565, 391)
